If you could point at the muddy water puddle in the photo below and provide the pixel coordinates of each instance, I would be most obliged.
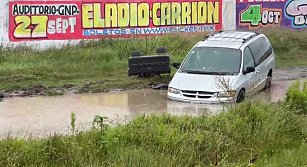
(44, 115)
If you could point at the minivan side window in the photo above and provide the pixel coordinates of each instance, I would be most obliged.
(248, 60)
(261, 50)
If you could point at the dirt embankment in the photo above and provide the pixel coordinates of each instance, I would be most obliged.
(287, 73)
(290, 73)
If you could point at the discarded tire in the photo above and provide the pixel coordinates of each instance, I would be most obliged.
(161, 50)
(135, 54)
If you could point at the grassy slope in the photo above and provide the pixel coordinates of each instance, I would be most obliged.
(290, 46)
(104, 63)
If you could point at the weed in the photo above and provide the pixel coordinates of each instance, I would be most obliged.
(73, 119)
(101, 122)
(296, 98)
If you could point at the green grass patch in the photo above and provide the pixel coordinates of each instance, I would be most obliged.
(104, 61)
(290, 46)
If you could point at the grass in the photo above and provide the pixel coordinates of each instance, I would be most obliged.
(249, 134)
(98, 66)
(102, 63)
(289, 45)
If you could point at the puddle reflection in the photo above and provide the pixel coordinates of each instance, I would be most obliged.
(42, 115)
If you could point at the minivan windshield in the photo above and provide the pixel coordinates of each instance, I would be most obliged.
(212, 60)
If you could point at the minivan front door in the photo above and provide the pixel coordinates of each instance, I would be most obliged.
(260, 73)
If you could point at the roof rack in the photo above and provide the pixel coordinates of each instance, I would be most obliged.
(249, 38)
(211, 34)
(243, 40)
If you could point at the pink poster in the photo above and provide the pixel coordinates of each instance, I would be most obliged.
(88, 19)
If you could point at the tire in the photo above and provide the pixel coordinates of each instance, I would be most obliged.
(268, 82)
(241, 96)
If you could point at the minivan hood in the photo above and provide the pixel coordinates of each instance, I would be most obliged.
(199, 82)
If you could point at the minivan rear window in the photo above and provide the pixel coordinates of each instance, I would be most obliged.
(261, 50)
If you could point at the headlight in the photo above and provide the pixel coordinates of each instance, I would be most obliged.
(227, 94)
(173, 90)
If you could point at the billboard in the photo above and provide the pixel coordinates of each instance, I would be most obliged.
(88, 19)
(254, 14)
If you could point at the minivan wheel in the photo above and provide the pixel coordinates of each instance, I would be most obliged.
(241, 96)
(268, 82)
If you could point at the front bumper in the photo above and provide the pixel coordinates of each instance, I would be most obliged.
(212, 100)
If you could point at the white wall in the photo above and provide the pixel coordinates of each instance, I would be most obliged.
(3, 22)
(229, 23)
(229, 14)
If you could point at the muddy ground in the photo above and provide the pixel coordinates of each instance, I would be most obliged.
(289, 73)
(42, 115)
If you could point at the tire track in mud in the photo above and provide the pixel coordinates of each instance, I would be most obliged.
(290, 73)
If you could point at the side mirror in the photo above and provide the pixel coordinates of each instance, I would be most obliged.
(176, 65)
(249, 70)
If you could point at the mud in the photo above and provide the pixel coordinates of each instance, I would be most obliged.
(289, 73)
(22, 115)
(42, 115)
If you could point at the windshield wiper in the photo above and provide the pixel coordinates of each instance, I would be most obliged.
(206, 72)
(196, 72)
(222, 73)
(203, 72)
(186, 71)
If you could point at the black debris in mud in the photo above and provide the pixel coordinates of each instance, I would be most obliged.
(160, 86)
(1, 96)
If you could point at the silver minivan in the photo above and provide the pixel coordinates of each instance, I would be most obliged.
(224, 67)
